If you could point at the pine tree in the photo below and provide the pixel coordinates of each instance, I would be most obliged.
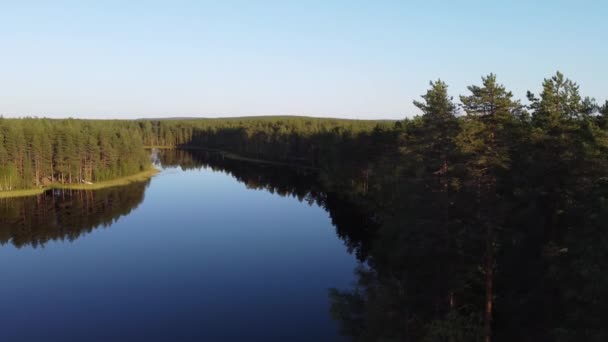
(439, 128)
(491, 111)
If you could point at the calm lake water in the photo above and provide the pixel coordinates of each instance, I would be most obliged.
(193, 254)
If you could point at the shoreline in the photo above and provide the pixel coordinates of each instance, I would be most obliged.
(138, 177)
(235, 156)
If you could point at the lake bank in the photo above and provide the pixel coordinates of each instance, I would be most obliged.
(138, 177)
(235, 156)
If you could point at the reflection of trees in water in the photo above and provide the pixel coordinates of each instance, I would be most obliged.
(65, 214)
(353, 222)
(423, 272)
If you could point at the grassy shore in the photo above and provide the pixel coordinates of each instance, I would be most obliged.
(234, 156)
(160, 147)
(21, 193)
(138, 177)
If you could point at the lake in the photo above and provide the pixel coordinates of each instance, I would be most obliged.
(194, 253)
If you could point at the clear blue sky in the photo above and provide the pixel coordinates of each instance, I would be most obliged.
(359, 59)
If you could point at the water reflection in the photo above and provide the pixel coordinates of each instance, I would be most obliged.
(65, 214)
(354, 223)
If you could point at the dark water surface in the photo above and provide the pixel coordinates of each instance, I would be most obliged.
(190, 255)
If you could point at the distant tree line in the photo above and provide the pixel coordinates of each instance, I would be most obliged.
(485, 123)
(300, 140)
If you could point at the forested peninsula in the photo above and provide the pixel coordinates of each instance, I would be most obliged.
(487, 132)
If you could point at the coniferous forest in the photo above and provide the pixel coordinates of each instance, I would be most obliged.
(487, 134)
(37, 152)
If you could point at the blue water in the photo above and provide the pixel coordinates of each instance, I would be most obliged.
(202, 257)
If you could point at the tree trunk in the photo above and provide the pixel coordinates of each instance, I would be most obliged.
(489, 270)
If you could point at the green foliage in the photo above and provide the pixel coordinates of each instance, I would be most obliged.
(299, 140)
(431, 140)
(35, 152)
(485, 139)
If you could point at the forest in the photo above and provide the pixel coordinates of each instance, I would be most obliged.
(39, 152)
(483, 130)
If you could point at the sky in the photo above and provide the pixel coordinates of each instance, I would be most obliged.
(351, 59)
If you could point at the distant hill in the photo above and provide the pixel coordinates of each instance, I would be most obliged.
(262, 117)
